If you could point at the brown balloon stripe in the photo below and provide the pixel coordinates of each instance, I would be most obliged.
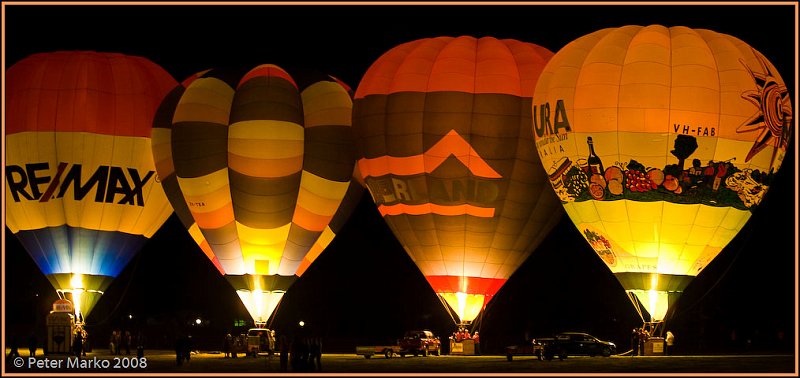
(263, 202)
(330, 152)
(302, 239)
(273, 98)
(173, 190)
(267, 186)
(161, 134)
(225, 236)
(199, 148)
(484, 126)
(200, 126)
(469, 285)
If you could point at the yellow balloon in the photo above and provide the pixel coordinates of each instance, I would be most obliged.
(660, 142)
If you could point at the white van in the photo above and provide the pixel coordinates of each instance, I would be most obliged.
(256, 343)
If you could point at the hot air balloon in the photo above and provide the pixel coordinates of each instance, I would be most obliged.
(660, 143)
(259, 166)
(81, 191)
(443, 129)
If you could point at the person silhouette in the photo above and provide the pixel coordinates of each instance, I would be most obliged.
(32, 344)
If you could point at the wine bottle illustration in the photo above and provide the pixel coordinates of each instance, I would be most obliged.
(595, 164)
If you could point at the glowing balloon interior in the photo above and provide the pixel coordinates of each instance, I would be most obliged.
(444, 138)
(660, 142)
(81, 189)
(259, 166)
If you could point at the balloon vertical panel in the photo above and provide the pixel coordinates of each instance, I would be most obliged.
(445, 149)
(81, 183)
(660, 142)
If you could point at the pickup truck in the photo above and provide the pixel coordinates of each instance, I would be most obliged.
(421, 342)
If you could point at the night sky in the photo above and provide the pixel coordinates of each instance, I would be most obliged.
(364, 288)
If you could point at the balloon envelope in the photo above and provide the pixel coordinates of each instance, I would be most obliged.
(660, 142)
(444, 137)
(81, 191)
(259, 167)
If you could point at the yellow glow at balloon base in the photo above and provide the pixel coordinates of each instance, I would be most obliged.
(466, 306)
(260, 304)
(83, 301)
(76, 300)
(76, 281)
(655, 302)
(77, 291)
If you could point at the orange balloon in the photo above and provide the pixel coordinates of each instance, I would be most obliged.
(443, 126)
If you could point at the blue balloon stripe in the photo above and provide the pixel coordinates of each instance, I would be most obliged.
(67, 249)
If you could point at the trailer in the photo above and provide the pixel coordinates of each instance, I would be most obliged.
(533, 349)
(386, 350)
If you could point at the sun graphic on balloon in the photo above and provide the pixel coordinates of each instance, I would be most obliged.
(774, 116)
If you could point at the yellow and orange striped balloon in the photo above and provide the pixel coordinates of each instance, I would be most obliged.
(259, 166)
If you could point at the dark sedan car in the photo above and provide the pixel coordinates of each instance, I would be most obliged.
(578, 343)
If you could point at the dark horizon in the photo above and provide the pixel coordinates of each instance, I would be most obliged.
(364, 289)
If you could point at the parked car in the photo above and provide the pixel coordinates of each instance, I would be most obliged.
(579, 343)
(420, 342)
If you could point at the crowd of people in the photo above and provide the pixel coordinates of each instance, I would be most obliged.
(305, 354)
(301, 353)
(183, 349)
